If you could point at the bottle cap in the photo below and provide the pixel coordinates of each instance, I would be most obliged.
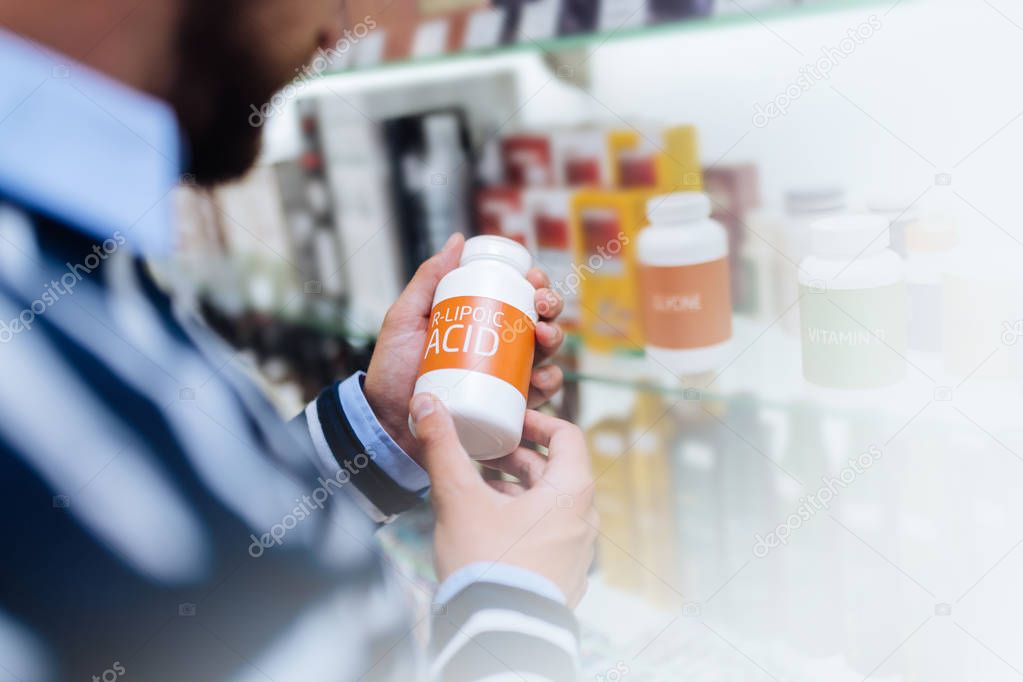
(681, 207)
(849, 236)
(498, 248)
(896, 209)
(815, 200)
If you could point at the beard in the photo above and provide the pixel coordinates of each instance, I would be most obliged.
(220, 79)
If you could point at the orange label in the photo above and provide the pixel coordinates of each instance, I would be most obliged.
(687, 306)
(481, 335)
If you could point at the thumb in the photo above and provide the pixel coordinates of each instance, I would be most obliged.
(418, 295)
(450, 469)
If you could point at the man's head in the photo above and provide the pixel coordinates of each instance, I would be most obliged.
(212, 60)
(233, 55)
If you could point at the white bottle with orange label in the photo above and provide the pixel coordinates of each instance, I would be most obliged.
(685, 287)
(479, 352)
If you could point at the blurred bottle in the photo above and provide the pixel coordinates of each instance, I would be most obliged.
(871, 589)
(929, 245)
(981, 313)
(551, 212)
(811, 559)
(853, 305)
(684, 285)
(902, 216)
(734, 192)
(763, 265)
(803, 207)
(654, 495)
(697, 457)
(617, 544)
(445, 172)
(432, 175)
(750, 504)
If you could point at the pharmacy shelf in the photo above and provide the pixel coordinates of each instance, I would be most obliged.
(707, 24)
(766, 366)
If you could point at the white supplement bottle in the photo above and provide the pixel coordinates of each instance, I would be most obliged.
(685, 285)
(478, 358)
(853, 309)
(803, 208)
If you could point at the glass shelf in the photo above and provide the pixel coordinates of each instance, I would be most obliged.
(766, 368)
(768, 525)
(705, 24)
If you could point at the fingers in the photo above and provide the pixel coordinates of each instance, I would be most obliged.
(509, 488)
(549, 338)
(568, 465)
(526, 465)
(538, 278)
(442, 455)
(540, 428)
(545, 383)
(548, 304)
(418, 295)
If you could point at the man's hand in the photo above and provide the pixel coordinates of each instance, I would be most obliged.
(545, 523)
(395, 365)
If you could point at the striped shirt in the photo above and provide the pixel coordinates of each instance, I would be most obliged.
(161, 521)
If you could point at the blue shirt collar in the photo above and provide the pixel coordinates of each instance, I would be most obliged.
(84, 149)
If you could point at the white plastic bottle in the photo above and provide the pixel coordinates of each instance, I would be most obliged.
(853, 309)
(479, 353)
(803, 208)
(685, 285)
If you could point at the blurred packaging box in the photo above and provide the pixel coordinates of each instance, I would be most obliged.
(493, 204)
(528, 160)
(606, 224)
(585, 158)
(431, 180)
(397, 23)
(734, 193)
(500, 211)
(662, 161)
(418, 28)
(673, 10)
(456, 14)
(550, 213)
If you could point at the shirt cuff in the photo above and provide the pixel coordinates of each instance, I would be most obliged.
(501, 574)
(386, 453)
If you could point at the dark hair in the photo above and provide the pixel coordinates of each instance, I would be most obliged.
(220, 79)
